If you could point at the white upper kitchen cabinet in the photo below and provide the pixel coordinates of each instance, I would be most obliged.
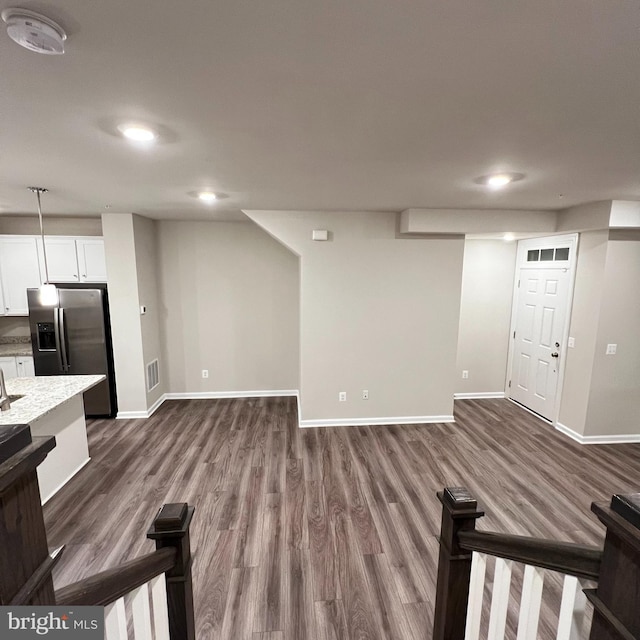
(19, 271)
(62, 259)
(91, 261)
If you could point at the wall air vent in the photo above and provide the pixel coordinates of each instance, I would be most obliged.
(153, 377)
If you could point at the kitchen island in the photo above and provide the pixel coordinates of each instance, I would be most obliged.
(53, 406)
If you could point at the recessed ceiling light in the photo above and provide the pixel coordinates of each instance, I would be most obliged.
(207, 196)
(137, 132)
(508, 237)
(496, 181)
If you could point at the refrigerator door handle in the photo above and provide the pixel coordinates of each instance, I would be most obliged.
(56, 330)
(63, 341)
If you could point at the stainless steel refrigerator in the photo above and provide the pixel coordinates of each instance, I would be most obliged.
(74, 338)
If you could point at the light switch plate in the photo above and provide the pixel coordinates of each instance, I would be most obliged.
(611, 349)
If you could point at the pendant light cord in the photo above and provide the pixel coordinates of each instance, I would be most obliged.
(38, 191)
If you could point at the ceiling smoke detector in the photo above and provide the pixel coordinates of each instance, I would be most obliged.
(34, 31)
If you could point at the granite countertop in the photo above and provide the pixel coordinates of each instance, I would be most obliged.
(42, 395)
(17, 349)
(15, 346)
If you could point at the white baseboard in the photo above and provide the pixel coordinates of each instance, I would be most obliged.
(199, 395)
(132, 415)
(613, 439)
(362, 422)
(204, 395)
(478, 395)
(156, 405)
(73, 473)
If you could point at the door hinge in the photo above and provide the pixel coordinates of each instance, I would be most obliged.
(509, 384)
(518, 284)
(514, 335)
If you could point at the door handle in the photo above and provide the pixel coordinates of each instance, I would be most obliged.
(56, 331)
(555, 355)
(63, 342)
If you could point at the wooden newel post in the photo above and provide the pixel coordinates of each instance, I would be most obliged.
(25, 563)
(616, 608)
(459, 513)
(171, 529)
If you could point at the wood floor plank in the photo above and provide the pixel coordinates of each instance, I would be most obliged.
(297, 525)
(238, 616)
(356, 598)
(299, 619)
(325, 533)
(270, 586)
(330, 620)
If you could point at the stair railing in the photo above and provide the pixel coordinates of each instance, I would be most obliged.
(462, 569)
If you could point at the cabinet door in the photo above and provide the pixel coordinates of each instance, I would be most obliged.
(24, 365)
(19, 270)
(8, 365)
(91, 260)
(2, 309)
(61, 258)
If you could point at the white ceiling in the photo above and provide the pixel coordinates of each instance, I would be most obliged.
(323, 104)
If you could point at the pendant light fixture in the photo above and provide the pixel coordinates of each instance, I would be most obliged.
(48, 291)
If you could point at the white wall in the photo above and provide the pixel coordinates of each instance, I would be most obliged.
(147, 269)
(485, 315)
(377, 313)
(14, 327)
(120, 253)
(585, 312)
(230, 297)
(614, 399)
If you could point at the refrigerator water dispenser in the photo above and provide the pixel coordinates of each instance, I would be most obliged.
(46, 336)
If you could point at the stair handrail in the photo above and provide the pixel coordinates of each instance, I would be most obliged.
(107, 586)
(572, 559)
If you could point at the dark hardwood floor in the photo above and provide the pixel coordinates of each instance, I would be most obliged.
(324, 533)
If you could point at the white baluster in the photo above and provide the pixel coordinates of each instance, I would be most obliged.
(160, 612)
(141, 613)
(530, 603)
(499, 599)
(115, 621)
(571, 610)
(476, 595)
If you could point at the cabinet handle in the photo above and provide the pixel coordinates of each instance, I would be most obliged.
(75, 275)
(84, 275)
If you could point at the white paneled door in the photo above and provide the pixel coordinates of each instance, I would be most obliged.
(542, 300)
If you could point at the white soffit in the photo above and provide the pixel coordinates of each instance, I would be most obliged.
(476, 221)
(624, 215)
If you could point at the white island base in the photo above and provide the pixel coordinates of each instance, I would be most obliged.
(53, 406)
(71, 452)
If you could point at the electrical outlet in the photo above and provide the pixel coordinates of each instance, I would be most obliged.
(465, 374)
(571, 343)
(205, 373)
(611, 349)
(365, 394)
(342, 396)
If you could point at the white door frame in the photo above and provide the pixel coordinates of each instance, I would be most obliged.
(571, 240)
